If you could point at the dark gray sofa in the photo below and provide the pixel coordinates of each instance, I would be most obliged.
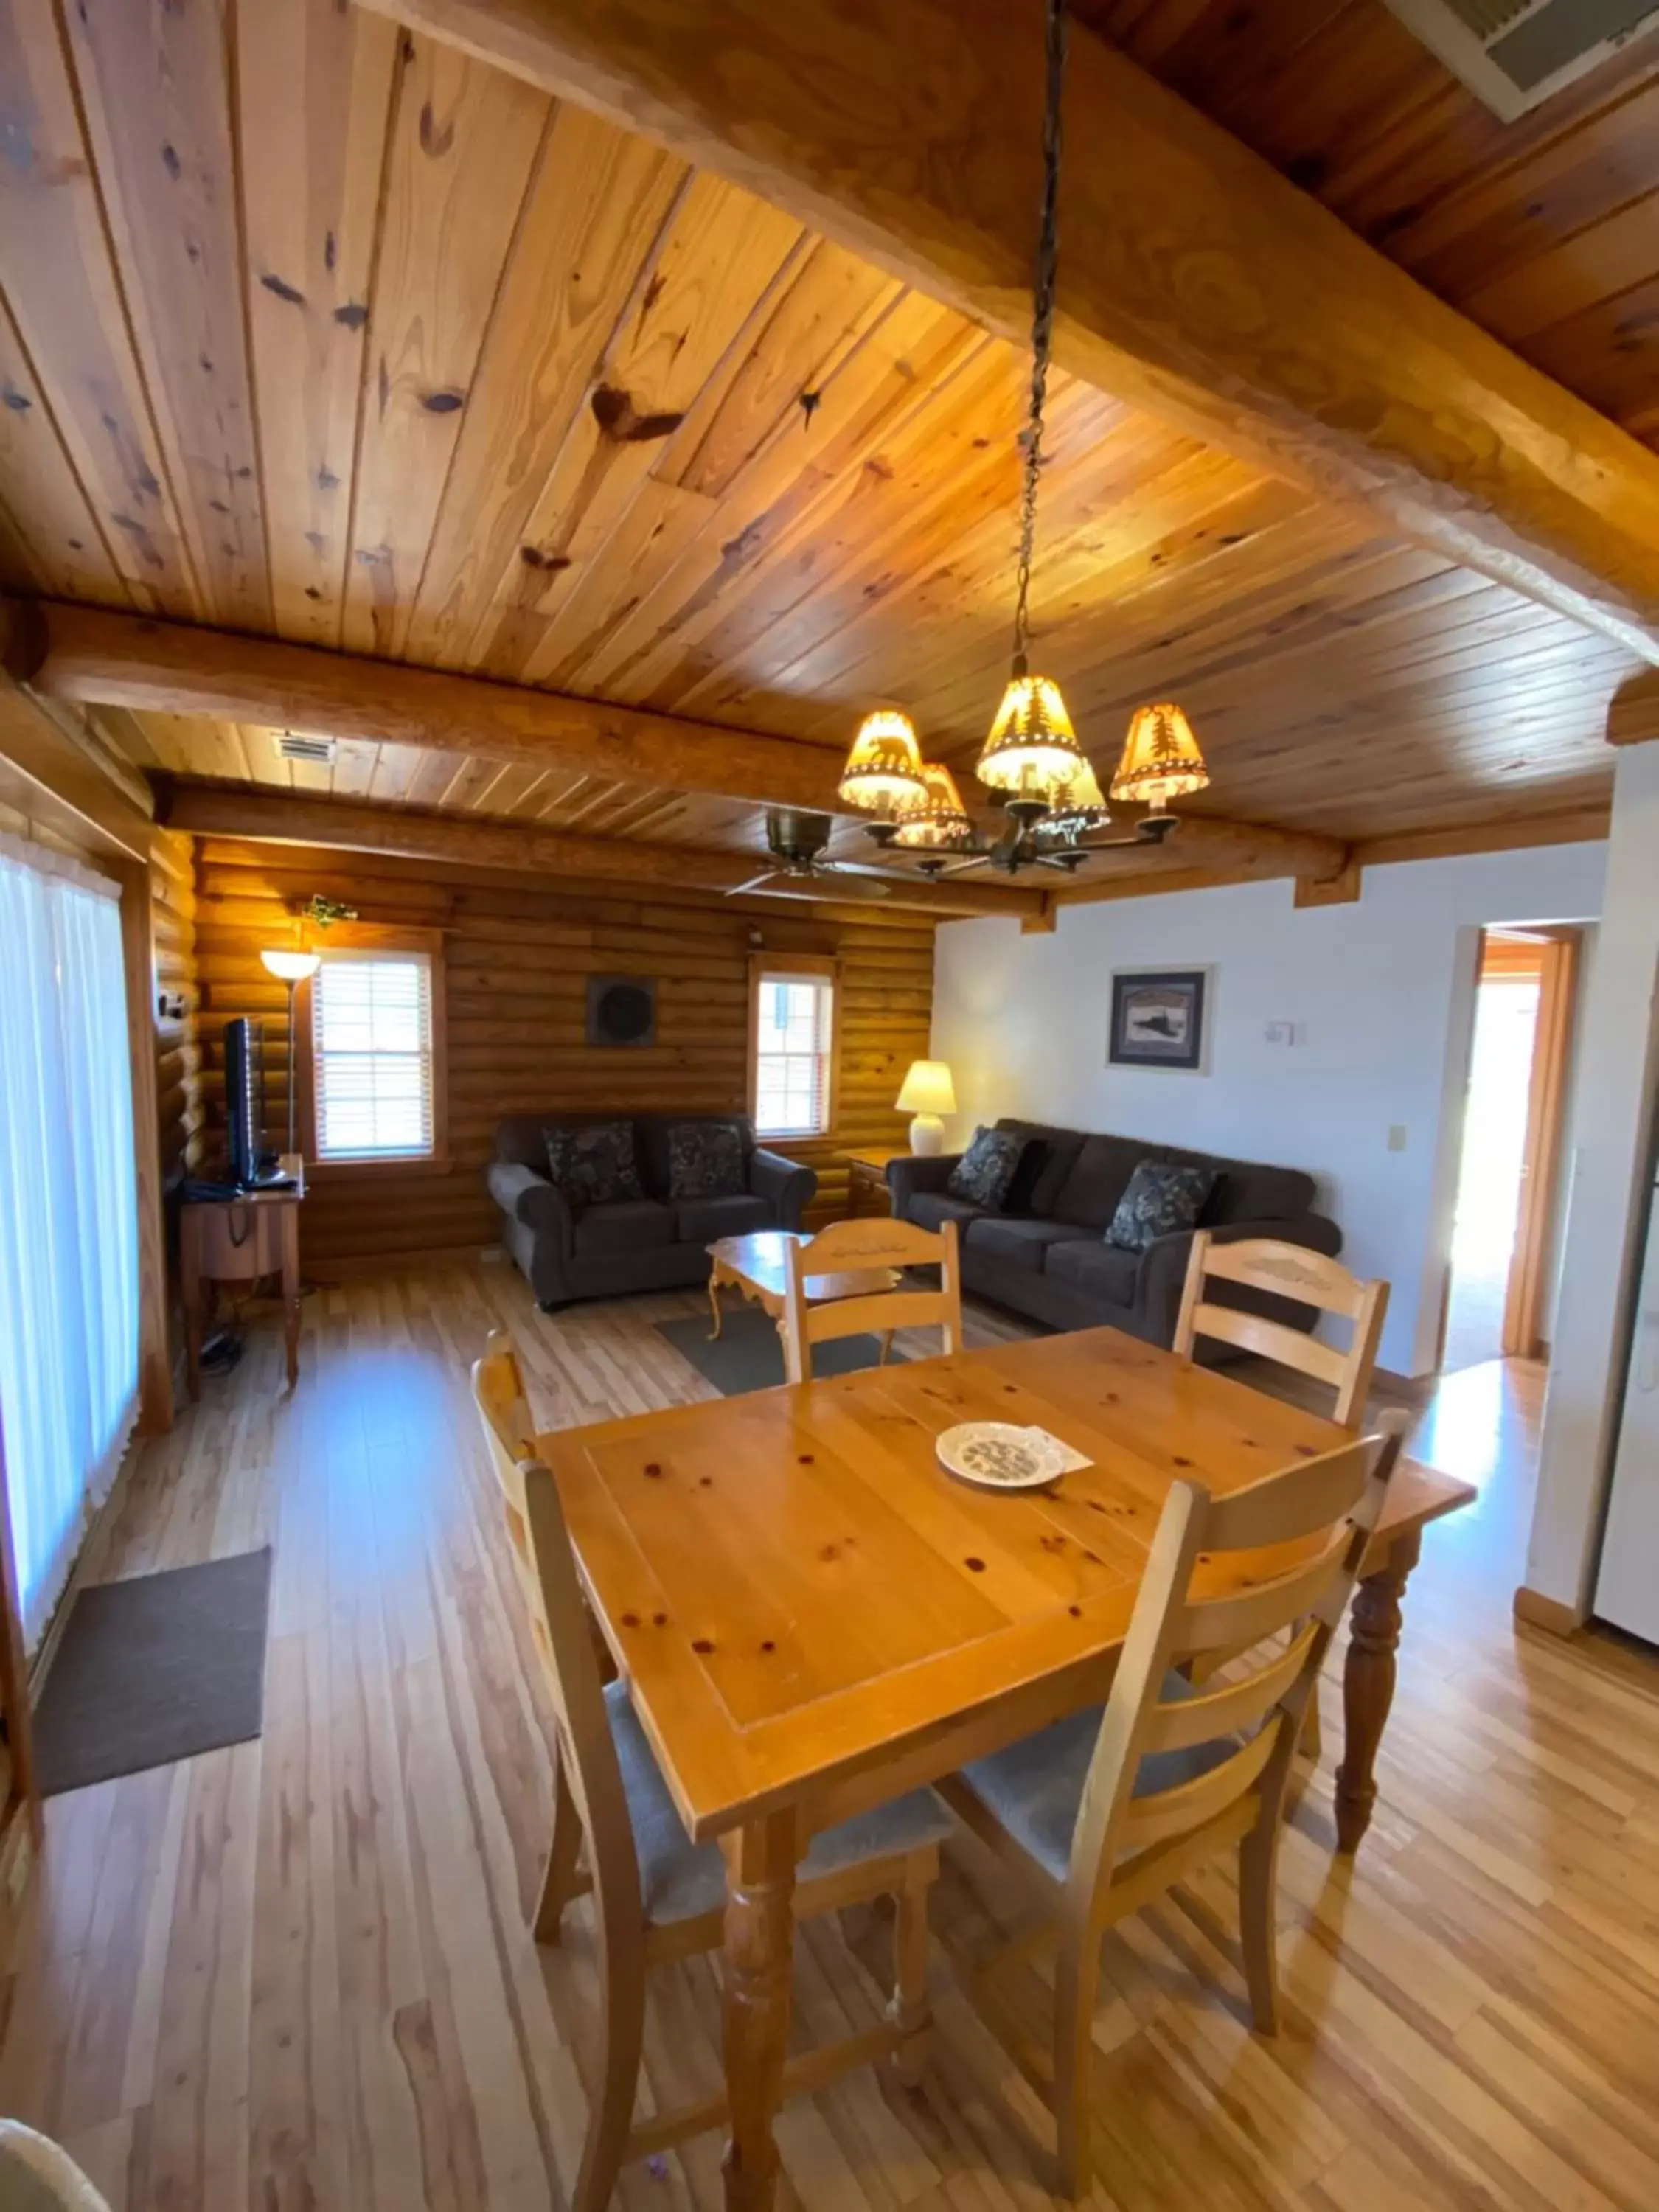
(653, 1243)
(1045, 1253)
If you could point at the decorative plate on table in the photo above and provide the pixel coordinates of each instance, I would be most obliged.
(998, 1456)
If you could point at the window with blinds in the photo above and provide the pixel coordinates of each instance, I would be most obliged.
(371, 1015)
(795, 1033)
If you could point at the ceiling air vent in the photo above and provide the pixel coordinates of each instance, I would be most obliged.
(322, 749)
(1514, 53)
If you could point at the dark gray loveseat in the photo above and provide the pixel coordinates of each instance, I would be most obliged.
(653, 1243)
(1045, 1253)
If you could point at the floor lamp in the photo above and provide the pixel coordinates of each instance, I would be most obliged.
(292, 968)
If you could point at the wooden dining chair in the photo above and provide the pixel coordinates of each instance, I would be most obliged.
(1287, 1271)
(1104, 1811)
(868, 1246)
(656, 1895)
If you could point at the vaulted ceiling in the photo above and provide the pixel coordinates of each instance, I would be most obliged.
(312, 327)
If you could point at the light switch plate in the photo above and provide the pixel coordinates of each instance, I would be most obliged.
(1396, 1136)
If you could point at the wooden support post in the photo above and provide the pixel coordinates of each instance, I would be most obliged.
(139, 964)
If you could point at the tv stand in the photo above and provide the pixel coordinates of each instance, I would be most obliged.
(236, 1239)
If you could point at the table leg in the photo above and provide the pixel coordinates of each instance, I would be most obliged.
(886, 1345)
(760, 1932)
(1368, 1686)
(714, 1302)
(291, 1291)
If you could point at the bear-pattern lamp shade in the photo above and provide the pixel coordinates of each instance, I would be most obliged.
(883, 774)
(928, 1093)
(941, 822)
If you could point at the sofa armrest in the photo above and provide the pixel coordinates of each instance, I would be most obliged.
(532, 1198)
(1163, 1270)
(786, 1186)
(918, 1172)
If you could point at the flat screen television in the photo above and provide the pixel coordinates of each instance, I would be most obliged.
(245, 1101)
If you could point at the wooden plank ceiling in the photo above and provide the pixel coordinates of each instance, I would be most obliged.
(1544, 231)
(314, 327)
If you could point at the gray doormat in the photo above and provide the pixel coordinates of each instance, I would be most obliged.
(154, 1669)
(748, 1353)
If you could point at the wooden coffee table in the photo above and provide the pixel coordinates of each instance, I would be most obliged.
(754, 1265)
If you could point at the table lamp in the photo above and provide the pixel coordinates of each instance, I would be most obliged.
(928, 1093)
(292, 968)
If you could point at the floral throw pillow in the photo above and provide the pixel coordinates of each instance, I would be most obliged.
(595, 1165)
(705, 1159)
(1163, 1197)
(985, 1170)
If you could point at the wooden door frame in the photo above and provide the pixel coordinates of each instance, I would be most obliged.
(1527, 1298)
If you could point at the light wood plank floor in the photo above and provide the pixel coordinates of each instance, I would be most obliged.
(295, 1976)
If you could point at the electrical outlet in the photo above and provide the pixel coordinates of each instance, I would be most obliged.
(1396, 1136)
(1280, 1032)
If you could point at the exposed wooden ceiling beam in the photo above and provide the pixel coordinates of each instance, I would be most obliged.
(1193, 280)
(47, 776)
(99, 657)
(212, 809)
(1633, 714)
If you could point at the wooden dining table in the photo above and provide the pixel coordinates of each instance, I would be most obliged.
(811, 1614)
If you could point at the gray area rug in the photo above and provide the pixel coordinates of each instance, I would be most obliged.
(748, 1355)
(155, 1668)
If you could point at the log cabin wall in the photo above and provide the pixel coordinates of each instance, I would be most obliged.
(178, 1045)
(519, 952)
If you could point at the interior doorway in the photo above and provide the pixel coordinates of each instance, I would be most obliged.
(1498, 1287)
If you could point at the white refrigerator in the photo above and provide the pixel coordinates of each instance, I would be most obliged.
(1628, 1585)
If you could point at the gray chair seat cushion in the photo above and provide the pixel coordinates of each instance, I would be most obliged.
(1035, 1787)
(679, 1880)
(1008, 1242)
(1102, 1271)
(931, 1209)
(634, 1225)
(704, 1220)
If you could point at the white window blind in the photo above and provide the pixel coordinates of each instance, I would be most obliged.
(795, 1030)
(372, 1056)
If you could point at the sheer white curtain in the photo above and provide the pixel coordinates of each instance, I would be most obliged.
(69, 1211)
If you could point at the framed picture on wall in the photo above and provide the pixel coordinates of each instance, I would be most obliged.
(1158, 1018)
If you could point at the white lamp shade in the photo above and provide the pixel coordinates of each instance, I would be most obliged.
(927, 1088)
(292, 967)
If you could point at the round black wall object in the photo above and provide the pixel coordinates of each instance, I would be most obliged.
(622, 1009)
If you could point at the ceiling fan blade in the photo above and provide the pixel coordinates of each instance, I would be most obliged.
(877, 882)
(753, 884)
(961, 867)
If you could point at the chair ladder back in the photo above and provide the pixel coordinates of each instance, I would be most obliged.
(855, 1247)
(1269, 1265)
(1264, 1705)
(587, 1750)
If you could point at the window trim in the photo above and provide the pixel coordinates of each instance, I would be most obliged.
(343, 939)
(819, 968)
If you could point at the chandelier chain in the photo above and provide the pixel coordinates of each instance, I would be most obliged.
(1043, 316)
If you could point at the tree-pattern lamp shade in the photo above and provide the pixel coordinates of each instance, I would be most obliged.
(291, 967)
(1161, 759)
(1032, 749)
(883, 774)
(928, 1093)
(1080, 805)
(939, 821)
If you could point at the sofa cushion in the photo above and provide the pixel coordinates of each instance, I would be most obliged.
(985, 1170)
(593, 1164)
(1246, 1192)
(1098, 1178)
(705, 1159)
(1100, 1271)
(1163, 1196)
(931, 1209)
(1008, 1242)
(628, 1226)
(706, 1220)
(1050, 1155)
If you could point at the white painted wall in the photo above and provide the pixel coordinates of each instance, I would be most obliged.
(1611, 1158)
(1382, 995)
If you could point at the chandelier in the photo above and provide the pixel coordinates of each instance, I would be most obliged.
(1031, 760)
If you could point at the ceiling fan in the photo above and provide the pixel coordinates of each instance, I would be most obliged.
(796, 842)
